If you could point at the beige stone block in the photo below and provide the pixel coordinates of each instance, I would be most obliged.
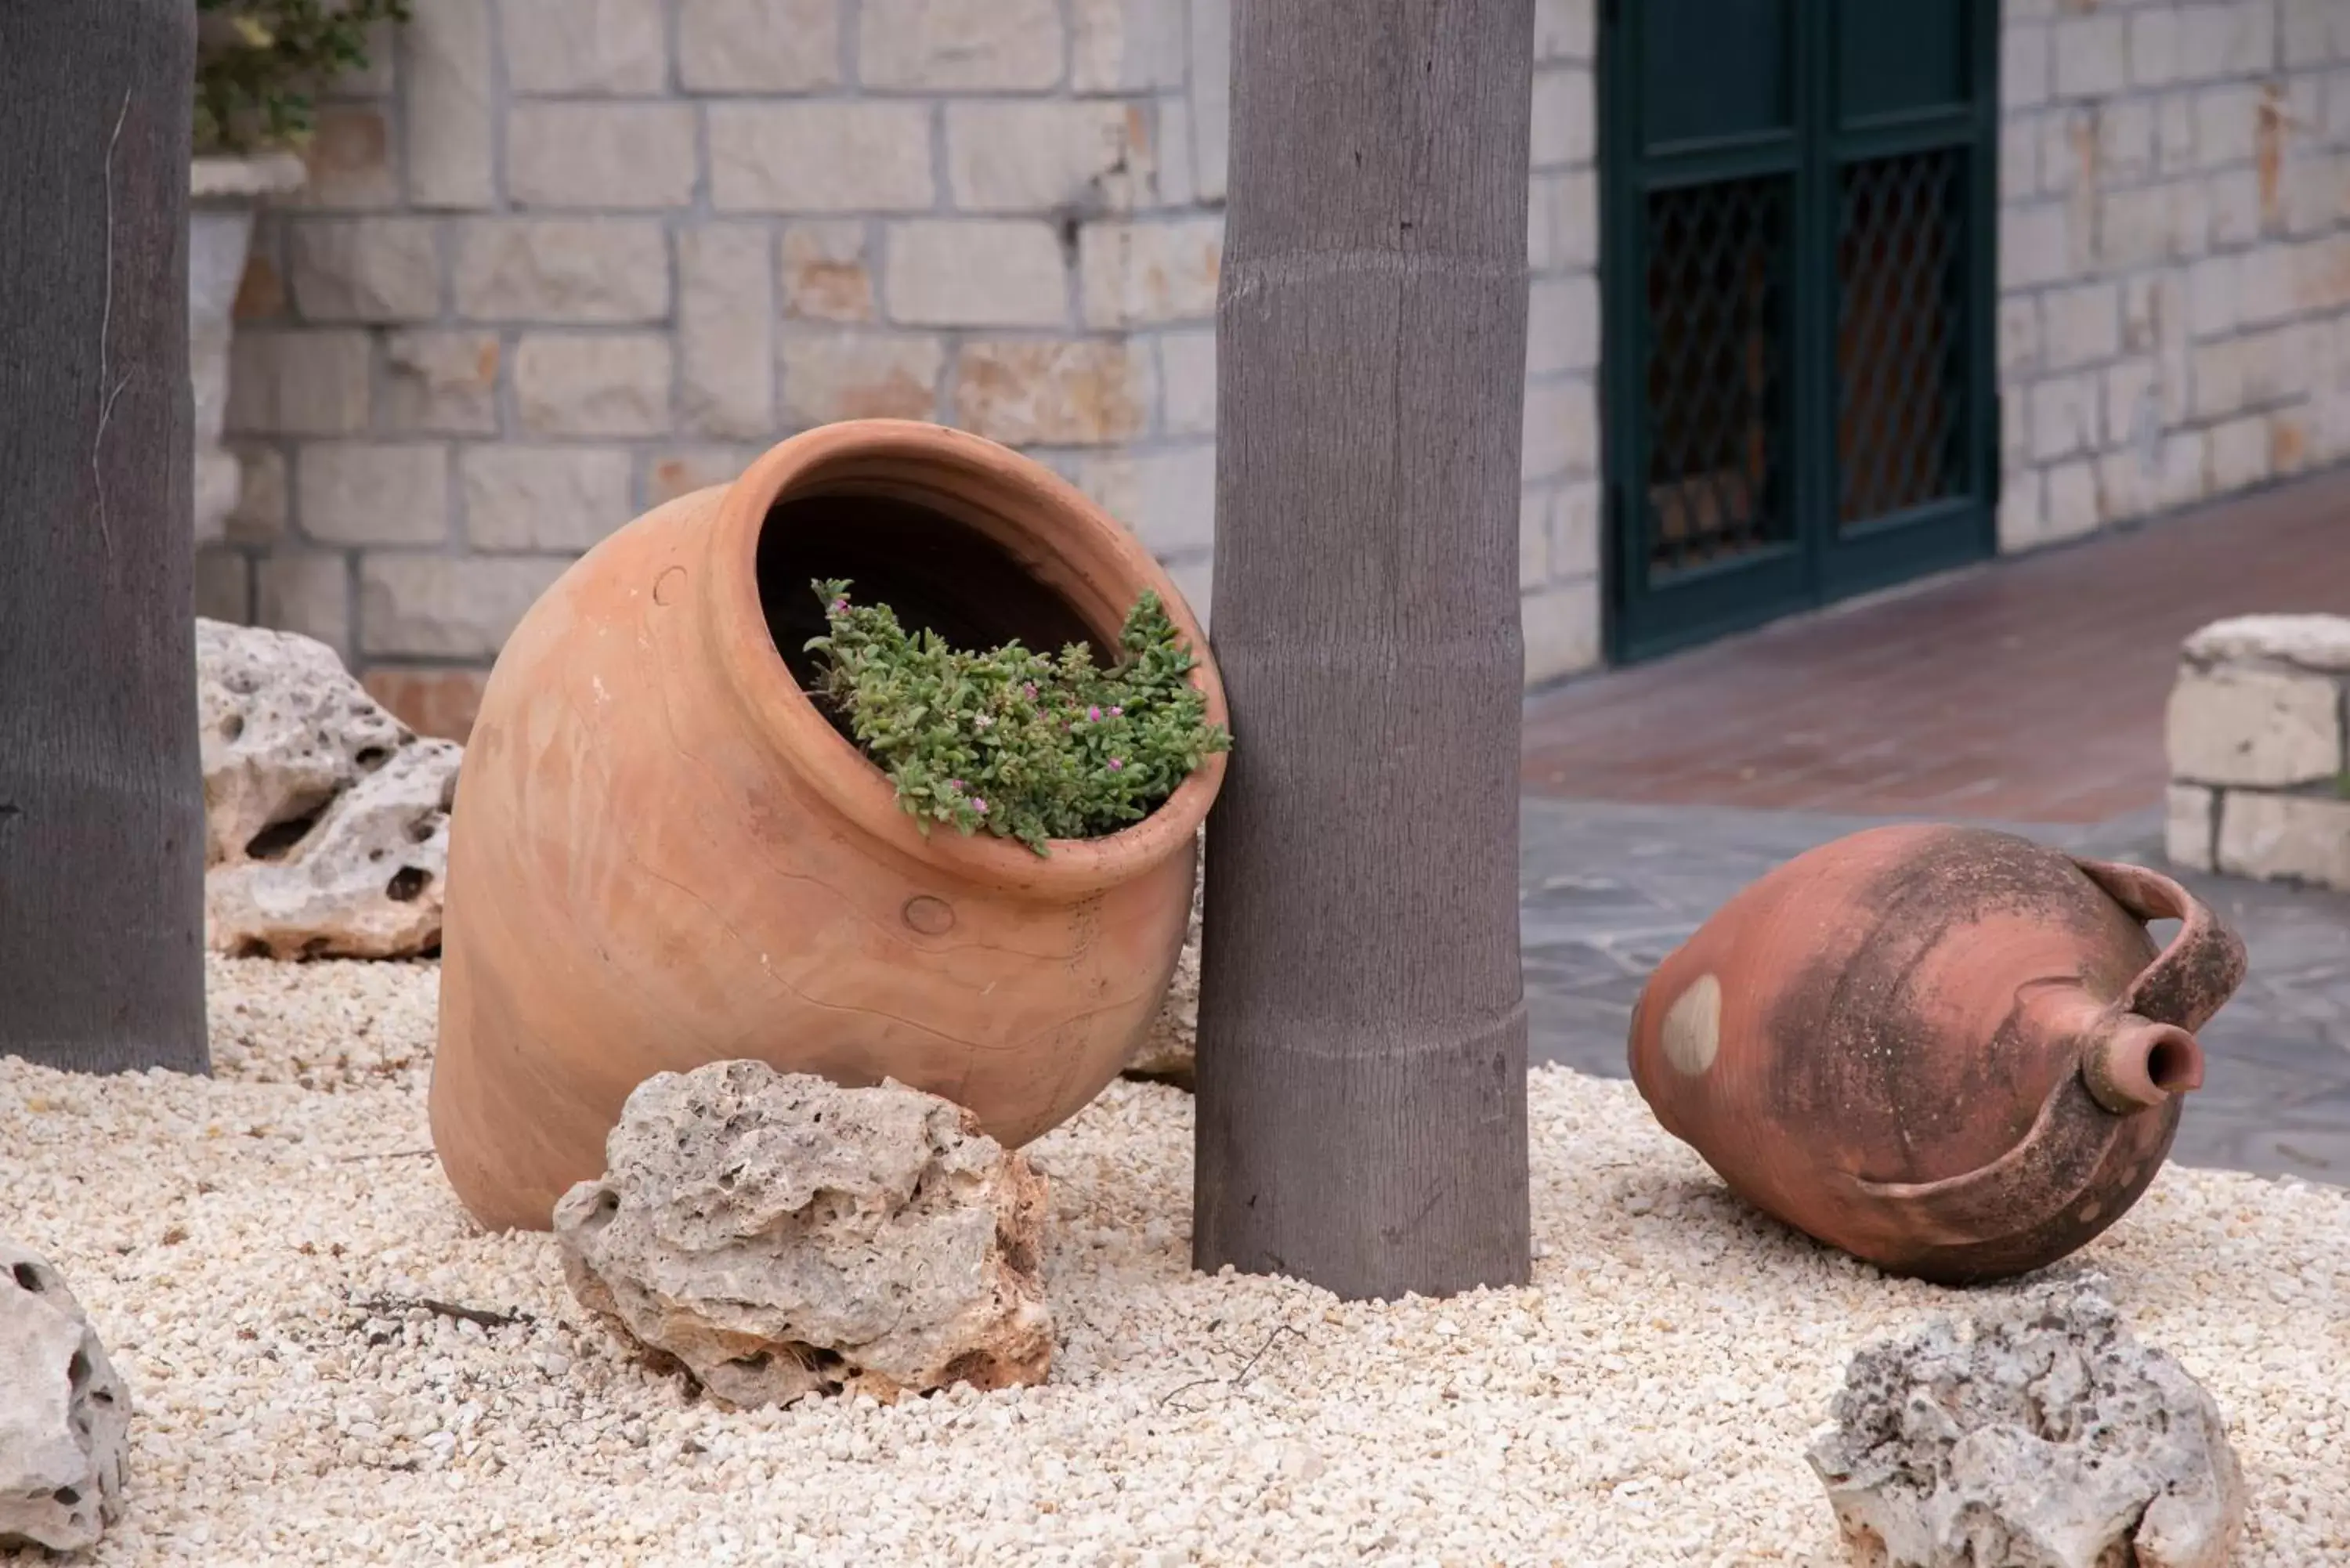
(962, 45)
(447, 607)
(1560, 625)
(725, 330)
(2190, 828)
(2025, 60)
(2137, 228)
(2133, 404)
(224, 585)
(1562, 324)
(2125, 140)
(681, 470)
(2227, 123)
(849, 374)
(306, 592)
(1575, 529)
(2075, 503)
(2174, 134)
(1212, 75)
(448, 76)
(2092, 55)
(2316, 642)
(1577, 216)
(2081, 325)
(1167, 499)
(615, 385)
(1127, 45)
(1564, 127)
(2020, 135)
(2218, 379)
(2266, 727)
(1187, 383)
(2034, 245)
(349, 161)
(586, 46)
(821, 157)
(620, 155)
(1031, 391)
(359, 492)
(1561, 434)
(440, 384)
(1564, 30)
(295, 383)
(1039, 156)
(758, 45)
(2154, 48)
(365, 269)
(976, 272)
(2183, 468)
(2019, 336)
(2022, 522)
(1535, 505)
(1195, 580)
(261, 512)
(2214, 295)
(2237, 455)
(613, 270)
(2232, 202)
(2279, 364)
(2286, 838)
(551, 498)
(826, 270)
(2063, 413)
(1171, 147)
(1139, 274)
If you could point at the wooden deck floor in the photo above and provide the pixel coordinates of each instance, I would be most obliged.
(2030, 690)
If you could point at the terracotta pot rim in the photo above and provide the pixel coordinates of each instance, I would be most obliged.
(1031, 510)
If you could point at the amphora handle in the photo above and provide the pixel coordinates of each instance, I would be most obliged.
(2190, 979)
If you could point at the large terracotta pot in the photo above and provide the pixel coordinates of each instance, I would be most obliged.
(664, 854)
(1948, 1050)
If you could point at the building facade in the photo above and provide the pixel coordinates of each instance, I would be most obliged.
(1873, 306)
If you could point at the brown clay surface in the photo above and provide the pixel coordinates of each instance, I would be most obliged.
(1936, 1046)
(664, 854)
(2030, 689)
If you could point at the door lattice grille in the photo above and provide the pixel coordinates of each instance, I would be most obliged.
(1717, 371)
(1901, 371)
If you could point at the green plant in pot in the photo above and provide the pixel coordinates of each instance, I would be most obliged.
(1013, 741)
(259, 65)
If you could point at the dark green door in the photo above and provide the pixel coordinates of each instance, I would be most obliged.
(1797, 215)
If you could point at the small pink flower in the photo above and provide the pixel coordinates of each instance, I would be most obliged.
(1028, 687)
(983, 721)
(1117, 713)
(979, 805)
(955, 784)
(1115, 764)
(840, 606)
(1093, 715)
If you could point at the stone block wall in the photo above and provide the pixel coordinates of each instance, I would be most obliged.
(2174, 254)
(560, 260)
(2259, 738)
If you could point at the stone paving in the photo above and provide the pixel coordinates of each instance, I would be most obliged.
(1608, 889)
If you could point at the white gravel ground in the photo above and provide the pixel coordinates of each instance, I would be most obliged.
(1646, 1402)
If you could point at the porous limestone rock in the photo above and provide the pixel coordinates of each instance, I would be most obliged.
(2045, 1436)
(782, 1236)
(327, 819)
(65, 1415)
(1168, 1052)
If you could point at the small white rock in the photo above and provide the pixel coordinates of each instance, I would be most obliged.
(65, 1415)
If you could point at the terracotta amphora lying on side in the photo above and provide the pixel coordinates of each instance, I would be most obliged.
(1949, 1051)
(663, 854)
